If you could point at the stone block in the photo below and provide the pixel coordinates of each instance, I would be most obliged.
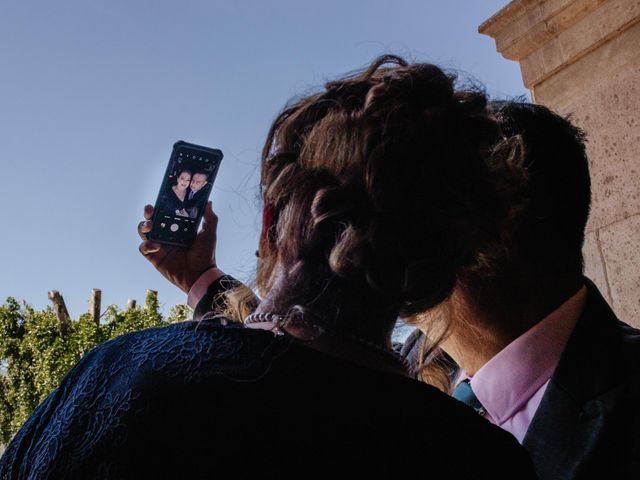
(526, 25)
(503, 18)
(594, 267)
(606, 22)
(560, 15)
(620, 244)
(560, 31)
(531, 66)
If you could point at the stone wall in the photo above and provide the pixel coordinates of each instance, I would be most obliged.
(582, 58)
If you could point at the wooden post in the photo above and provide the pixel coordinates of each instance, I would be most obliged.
(60, 310)
(94, 305)
(131, 304)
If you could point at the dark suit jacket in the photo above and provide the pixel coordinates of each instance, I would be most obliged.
(588, 422)
(192, 205)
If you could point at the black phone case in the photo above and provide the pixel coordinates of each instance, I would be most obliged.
(213, 152)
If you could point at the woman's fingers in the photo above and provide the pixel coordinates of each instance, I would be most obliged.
(147, 247)
(144, 228)
(148, 212)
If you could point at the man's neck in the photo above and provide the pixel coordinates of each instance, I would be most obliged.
(476, 337)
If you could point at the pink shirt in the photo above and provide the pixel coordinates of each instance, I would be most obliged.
(510, 386)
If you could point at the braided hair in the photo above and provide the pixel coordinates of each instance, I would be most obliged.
(377, 191)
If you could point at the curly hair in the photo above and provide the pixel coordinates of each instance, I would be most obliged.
(379, 190)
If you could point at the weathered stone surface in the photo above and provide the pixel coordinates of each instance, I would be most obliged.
(594, 264)
(601, 93)
(539, 61)
(548, 35)
(621, 246)
(526, 25)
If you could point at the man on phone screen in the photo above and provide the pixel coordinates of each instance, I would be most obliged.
(196, 190)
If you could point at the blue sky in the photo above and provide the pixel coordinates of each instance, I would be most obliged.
(93, 94)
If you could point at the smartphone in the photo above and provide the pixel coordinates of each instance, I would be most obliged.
(184, 193)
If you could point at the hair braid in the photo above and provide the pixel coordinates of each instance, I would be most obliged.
(383, 186)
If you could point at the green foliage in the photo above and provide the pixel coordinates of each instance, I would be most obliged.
(35, 353)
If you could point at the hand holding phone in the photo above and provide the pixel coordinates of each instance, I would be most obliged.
(181, 266)
(182, 201)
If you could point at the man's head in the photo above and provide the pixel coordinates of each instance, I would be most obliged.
(536, 262)
(558, 193)
(538, 258)
(540, 249)
(198, 181)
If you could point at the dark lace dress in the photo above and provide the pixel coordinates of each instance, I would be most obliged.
(171, 203)
(203, 400)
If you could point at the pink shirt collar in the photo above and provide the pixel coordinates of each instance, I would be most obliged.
(510, 379)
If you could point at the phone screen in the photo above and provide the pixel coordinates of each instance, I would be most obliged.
(184, 193)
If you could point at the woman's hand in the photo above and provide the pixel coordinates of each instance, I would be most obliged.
(180, 266)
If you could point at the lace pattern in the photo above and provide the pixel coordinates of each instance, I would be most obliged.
(83, 418)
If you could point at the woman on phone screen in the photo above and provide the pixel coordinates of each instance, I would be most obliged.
(175, 199)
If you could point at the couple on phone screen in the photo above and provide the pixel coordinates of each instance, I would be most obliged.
(183, 198)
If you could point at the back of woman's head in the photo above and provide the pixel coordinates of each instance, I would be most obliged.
(378, 190)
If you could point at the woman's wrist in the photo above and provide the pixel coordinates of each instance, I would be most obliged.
(199, 287)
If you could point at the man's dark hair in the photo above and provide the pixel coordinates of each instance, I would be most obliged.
(537, 260)
(551, 229)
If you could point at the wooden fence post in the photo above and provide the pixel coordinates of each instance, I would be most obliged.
(94, 305)
(60, 309)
